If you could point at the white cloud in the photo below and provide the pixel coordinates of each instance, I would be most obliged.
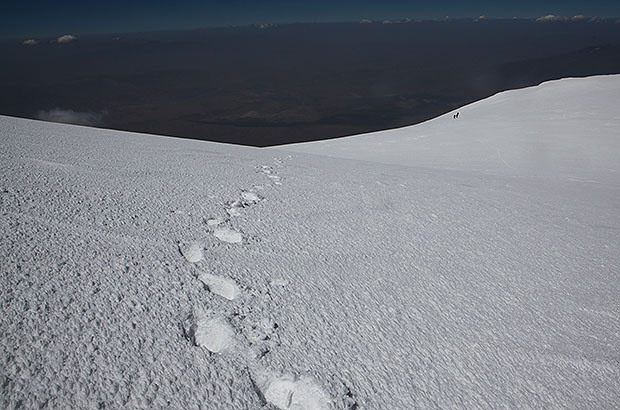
(264, 26)
(578, 17)
(30, 42)
(550, 17)
(67, 38)
(70, 116)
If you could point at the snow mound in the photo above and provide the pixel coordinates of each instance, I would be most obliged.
(223, 287)
(228, 235)
(192, 251)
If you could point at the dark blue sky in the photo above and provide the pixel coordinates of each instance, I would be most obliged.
(51, 18)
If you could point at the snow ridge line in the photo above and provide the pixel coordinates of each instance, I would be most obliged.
(219, 334)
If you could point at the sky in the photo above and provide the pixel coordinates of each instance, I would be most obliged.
(45, 18)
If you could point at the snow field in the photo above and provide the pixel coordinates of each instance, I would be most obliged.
(449, 281)
(564, 129)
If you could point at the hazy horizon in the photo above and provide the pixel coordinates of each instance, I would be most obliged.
(44, 19)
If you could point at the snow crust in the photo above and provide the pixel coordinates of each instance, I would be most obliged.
(419, 272)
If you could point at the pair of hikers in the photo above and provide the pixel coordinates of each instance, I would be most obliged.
(455, 116)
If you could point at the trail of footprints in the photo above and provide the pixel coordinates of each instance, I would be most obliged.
(216, 332)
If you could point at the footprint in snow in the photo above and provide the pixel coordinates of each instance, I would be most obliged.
(224, 287)
(275, 179)
(228, 235)
(287, 392)
(249, 197)
(268, 170)
(212, 333)
(234, 208)
(279, 282)
(214, 221)
(262, 335)
(192, 251)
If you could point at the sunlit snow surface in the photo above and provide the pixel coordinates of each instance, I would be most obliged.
(468, 263)
(568, 128)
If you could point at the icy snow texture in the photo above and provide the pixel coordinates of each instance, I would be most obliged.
(425, 275)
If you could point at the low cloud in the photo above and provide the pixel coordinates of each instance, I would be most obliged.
(577, 18)
(67, 38)
(550, 17)
(71, 117)
(30, 42)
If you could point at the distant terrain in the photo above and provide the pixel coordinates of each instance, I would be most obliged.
(293, 83)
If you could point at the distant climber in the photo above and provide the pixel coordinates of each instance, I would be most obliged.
(455, 116)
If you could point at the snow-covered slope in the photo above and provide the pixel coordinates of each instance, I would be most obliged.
(567, 128)
(150, 272)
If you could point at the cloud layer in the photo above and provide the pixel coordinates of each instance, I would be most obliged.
(70, 116)
(30, 42)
